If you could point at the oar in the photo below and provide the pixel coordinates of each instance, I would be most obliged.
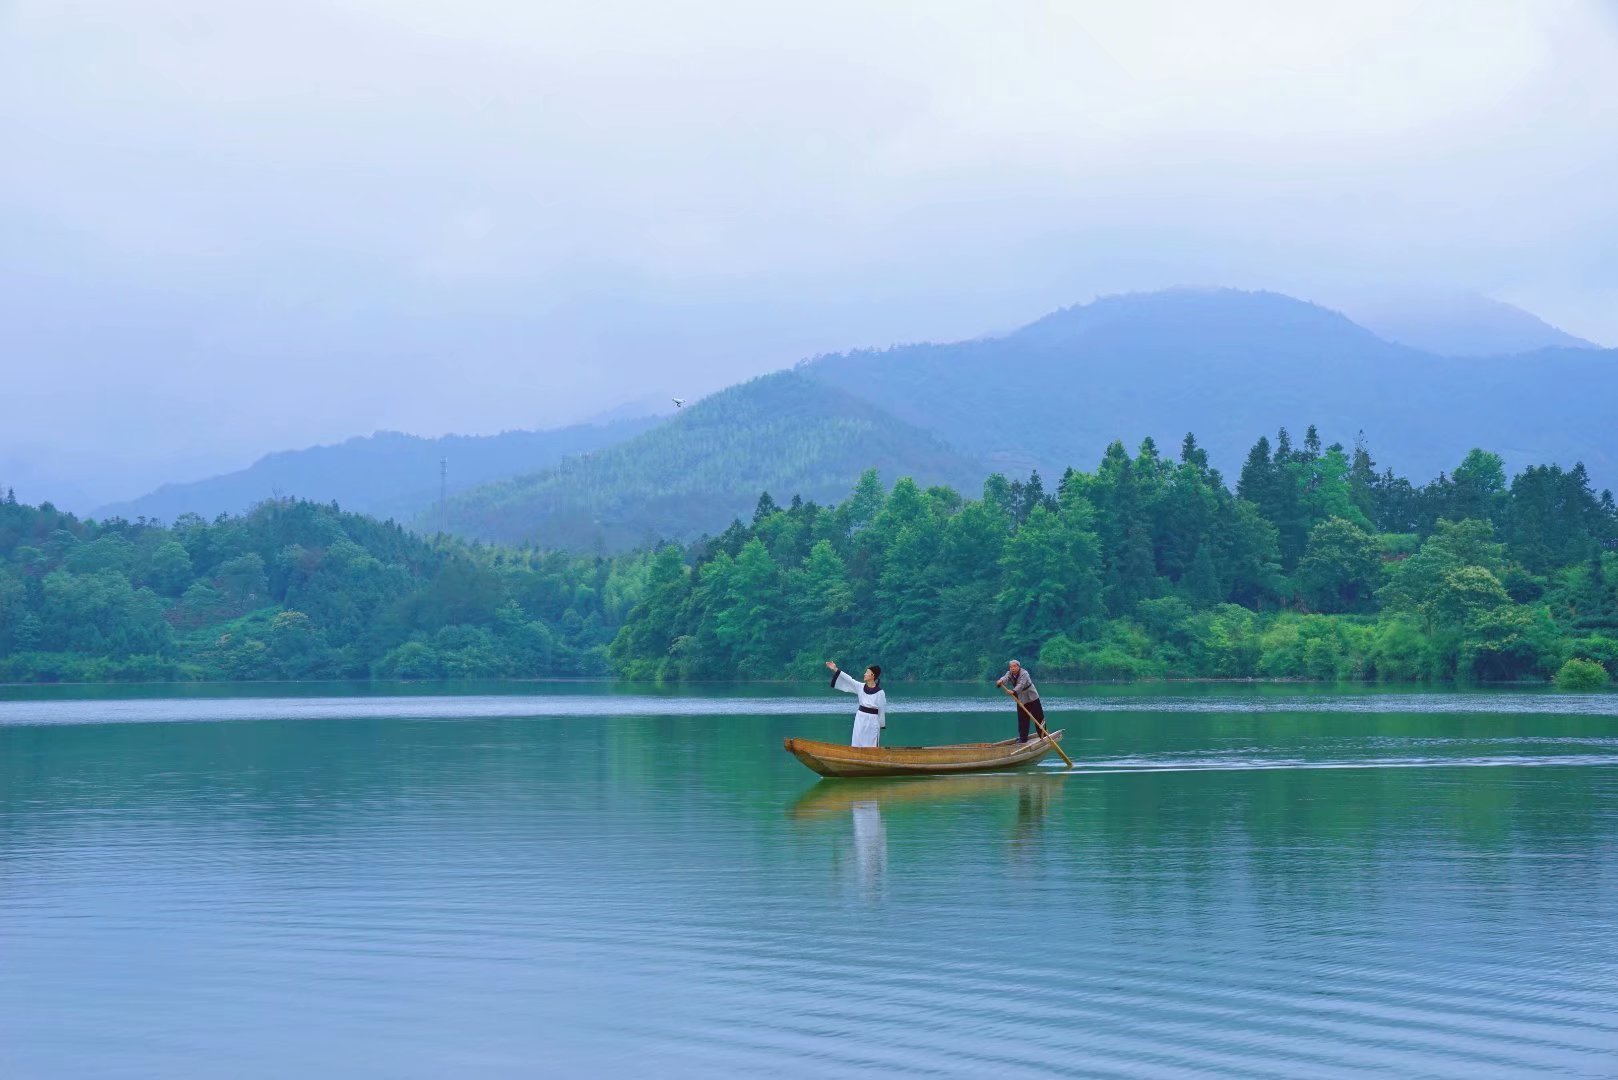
(1042, 732)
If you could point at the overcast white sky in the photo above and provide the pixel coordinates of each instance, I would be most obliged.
(227, 228)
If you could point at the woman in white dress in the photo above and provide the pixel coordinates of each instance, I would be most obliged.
(872, 715)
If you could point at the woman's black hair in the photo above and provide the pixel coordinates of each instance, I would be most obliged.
(874, 670)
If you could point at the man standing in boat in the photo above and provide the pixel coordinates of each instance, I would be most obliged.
(1021, 686)
(872, 715)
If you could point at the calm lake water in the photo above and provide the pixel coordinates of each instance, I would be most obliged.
(580, 880)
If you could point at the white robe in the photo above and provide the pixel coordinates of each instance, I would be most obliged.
(867, 726)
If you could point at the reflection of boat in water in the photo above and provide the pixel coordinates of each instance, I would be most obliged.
(937, 807)
(837, 759)
(826, 799)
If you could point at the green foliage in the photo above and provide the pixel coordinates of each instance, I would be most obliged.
(1603, 650)
(1316, 567)
(1050, 574)
(1400, 650)
(1341, 566)
(1509, 642)
(1449, 576)
(1579, 674)
(292, 590)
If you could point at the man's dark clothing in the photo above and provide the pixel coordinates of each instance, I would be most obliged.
(1034, 707)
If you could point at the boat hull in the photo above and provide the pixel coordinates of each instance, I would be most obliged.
(836, 759)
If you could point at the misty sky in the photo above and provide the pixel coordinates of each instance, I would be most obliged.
(227, 228)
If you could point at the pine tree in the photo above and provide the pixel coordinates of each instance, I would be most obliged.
(1074, 485)
(1193, 455)
(1257, 480)
(1124, 527)
(1032, 494)
(1363, 481)
(866, 502)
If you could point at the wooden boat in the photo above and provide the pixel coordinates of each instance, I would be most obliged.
(836, 759)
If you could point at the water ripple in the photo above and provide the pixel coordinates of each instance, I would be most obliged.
(667, 894)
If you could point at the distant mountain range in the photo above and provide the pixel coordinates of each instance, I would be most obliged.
(1224, 364)
(1459, 324)
(1229, 366)
(386, 475)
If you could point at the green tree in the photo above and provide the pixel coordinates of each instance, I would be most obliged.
(170, 570)
(1581, 675)
(1341, 567)
(1253, 555)
(747, 618)
(1508, 642)
(1421, 584)
(642, 646)
(1123, 523)
(1464, 592)
(1051, 576)
(1479, 489)
(242, 579)
(867, 501)
(1202, 585)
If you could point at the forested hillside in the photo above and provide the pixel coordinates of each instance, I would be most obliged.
(1225, 364)
(387, 474)
(1315, 565)
(294, 590)
(778, 433)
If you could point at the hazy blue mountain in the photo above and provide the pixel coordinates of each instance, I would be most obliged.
(782, 433)
(1459, 324)
(647, 406)
(1224, 364)
(387, 474)
(1229, 366)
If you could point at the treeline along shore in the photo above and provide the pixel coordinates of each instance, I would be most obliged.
(1315, 566)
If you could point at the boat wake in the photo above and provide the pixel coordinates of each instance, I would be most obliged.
(1157, 765)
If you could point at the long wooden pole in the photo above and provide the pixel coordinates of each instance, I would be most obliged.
(1042, 732)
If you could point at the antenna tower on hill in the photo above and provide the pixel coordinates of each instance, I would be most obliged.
(443, 491)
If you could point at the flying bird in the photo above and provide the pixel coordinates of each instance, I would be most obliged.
(679, 402)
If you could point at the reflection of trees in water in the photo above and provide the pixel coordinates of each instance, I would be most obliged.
(1332, 839)
(1311, 840)
(1033, 807)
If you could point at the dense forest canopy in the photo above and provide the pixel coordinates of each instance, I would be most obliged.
(292, 590)
(1315, 565)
